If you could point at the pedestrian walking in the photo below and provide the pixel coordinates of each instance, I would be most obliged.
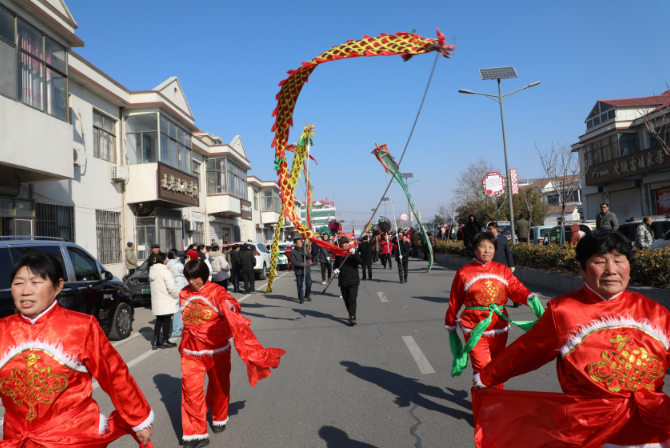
(470, 230)
(212, 322)
(426, 241)
(164, 301)
(236, 267)
(416, 243)
(503, 254)
(220, 268)
(644, 234)
(522, 229)
(176, 268)
(348, 279)
(301, 265)
(365, 251)
(325, 261)
(403, 257)
(387, 250)
(374, 242)
(248, 264)
(606, 219)
(131, 258)
(315, 251)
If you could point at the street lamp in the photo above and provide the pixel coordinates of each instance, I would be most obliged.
(502, 73)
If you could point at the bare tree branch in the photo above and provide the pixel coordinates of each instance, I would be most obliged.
(657, 124)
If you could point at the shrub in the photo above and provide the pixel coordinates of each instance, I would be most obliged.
(449, 247)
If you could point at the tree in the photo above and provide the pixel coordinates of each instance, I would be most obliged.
(469, 196)
(530, 201)
(657, 122)
(561, 166)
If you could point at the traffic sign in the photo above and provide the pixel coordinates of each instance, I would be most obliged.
(514, 178)
(494, 184)
(403, 217)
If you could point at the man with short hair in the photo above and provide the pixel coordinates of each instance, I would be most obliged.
(348, 280)
(213, 242)
(522, 228)
(503, 254)
(131, 258)
(236, 267)
(247, 264)
(402, 257)
(644, 234)
(365, 251)
(324, 260)
(606, 219)
(300, 257)
(155, 250)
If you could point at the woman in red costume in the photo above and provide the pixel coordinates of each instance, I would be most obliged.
(50, 356)
(611, 349)
(212, 321)
(483, 286)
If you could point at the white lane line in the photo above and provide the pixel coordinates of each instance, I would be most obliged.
(261, 288)
(117, 343)
(382, 297)
(418, 356)
(130, 364)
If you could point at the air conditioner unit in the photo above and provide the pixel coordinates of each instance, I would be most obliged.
(79, 157)
(119, 173)
(191, 226)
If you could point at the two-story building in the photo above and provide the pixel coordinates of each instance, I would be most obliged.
(624, 164)
(550, 191)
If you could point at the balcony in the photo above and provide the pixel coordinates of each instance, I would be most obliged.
(37, 146)
(269, 217)
(224, 206)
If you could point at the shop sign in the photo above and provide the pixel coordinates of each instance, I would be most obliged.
(638, 163)
(245, 207)
(494, 184)
(177, 186)
(663, 201)
(514, 178)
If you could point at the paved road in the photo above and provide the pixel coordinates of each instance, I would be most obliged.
(383, 383)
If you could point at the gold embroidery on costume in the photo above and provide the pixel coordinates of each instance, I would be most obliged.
(626, 369)
(33, 385)
(196, 313)
(490, 294)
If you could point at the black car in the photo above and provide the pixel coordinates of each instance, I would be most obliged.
(88, 289)
(139, 283)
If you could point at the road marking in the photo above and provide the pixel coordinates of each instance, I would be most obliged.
(418, 356)
(382, 297)
(117, 343)
(261, 288)
(137, 360)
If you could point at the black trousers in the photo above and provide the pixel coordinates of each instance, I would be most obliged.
(402, 268)
(326, 267)
(164, 322)
(369, 268)
(350, 294)
(249, 281)
(387, 258)
(425, 253)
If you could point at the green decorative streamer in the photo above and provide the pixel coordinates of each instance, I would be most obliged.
(461, 353)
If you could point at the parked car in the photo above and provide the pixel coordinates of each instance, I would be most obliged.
(88, 289)
(660, 225)
(282, 261)
(553, 236)
(504, 228)
(537, 234)
(139, 284)
(263, 258)
(663, 243)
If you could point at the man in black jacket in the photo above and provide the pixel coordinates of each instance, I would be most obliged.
(348, 280)
(503, 254)
(248, 262)
(236, 267)
(324, 260)
(300, 259)
(402, 257)
(365, 251)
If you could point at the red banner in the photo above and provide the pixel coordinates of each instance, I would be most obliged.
(663, 201)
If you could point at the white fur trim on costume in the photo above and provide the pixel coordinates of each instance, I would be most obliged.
(231, 306)
(195, 437)
(451, 328)
(483, 276)
(54, 349)
(103, 424)
(203, 299)
(477, 381)
(207, 352)
(215, 423)
(488, 333)
(606, 322)
(665, 444)
(146, 423)
(32, 321)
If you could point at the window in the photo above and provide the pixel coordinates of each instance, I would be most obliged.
(271, 200)
(55, 220)
(237, 180)
(629, 143)
(196, 169)
(54, 251)
(257, 199)
(8, 73)
(175, 145)
(552, 199)
(141, 138)
(199, 234)
(108, 232)
(216, 175)
(104, 137)
(599, 114)
(85, 268)
(145, 229)
(5, 269)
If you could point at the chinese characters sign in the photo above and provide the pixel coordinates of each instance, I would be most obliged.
(177, 186)
(638, 163)
(494, 184)
(514, 178)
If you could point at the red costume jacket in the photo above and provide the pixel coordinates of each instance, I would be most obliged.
(46, 373)
(387, 247)
(211, 318)
(611, 357)
(478, 284)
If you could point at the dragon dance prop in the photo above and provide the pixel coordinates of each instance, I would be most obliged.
(404, 44)
(386, 159)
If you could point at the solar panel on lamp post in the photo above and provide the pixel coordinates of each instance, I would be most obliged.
(502, 73)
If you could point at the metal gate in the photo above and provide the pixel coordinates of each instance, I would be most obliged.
(626, 203)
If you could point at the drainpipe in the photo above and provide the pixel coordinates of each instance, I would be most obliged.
(123, 188)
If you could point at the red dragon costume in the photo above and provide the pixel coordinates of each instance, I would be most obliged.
(212, 321)
(46, 374)
(611, 358)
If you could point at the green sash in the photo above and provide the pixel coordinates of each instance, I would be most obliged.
(460, 353)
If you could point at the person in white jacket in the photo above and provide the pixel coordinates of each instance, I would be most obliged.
(164, 301)
(177, 270)
(220, 267)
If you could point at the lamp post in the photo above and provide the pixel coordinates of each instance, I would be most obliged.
(502, 73)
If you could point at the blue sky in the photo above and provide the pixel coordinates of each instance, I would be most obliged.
(229, 57)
